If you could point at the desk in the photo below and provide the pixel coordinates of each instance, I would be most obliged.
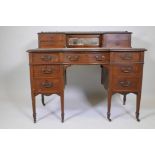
(121, 65)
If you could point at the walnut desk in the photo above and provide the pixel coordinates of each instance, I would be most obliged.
(121, 65)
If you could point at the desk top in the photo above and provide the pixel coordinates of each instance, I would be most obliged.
(86, 32)
(87, 49)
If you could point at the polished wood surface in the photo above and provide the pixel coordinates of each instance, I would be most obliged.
(121, 65)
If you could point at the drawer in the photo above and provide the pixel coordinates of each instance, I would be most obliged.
(52, 71)
(47, 85)
(87, 58)
(125, 84)
(125, 57)
(48, 40)
(45, 58)
(127, 69)
(117, 40)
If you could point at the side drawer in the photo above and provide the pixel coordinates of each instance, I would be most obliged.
(126, 57)
(87, 58)
(127, 69)
(47, 85)
(45, 58)
(50, 71)
(125, 84)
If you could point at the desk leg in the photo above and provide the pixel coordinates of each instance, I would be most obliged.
(109, 106)
(34, 108)
(62, 107)
(43, 99)
(124, 99)
(138, 106)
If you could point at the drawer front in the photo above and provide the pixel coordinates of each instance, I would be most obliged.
(96, 58)
(125, 84)
(125, 57)
(127, 69)
(52, 71)
(45, 58)
(117, 40)
(47, 85)
(51, 40)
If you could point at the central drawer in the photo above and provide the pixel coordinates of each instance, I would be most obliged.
(86, 58)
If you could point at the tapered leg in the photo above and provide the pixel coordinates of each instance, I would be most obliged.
(43, 100)
(124, 99)
(62, 107)
(101, 74)
(109, 106)
(65, 77)
(34, 108)
(138, 106)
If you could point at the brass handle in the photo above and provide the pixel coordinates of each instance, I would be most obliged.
(47, 84)
(47, 71)
(73, 58)
(100, 58)
(125, 83)
(46, 57)
(127, 56)
(127, 69)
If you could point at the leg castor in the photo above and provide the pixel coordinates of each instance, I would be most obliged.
(108, 117)
(137, 117)
(62, 117)
(34, 118)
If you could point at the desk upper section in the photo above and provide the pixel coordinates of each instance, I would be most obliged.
(111, 39)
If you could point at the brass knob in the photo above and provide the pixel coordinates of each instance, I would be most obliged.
(100, 58)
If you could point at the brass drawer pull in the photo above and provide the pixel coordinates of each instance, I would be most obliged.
(100, 58)
(125, 83)
(47, 84)
(46, 58)
(47, 71)
(127, 69)
(73, 58)
(127, 56)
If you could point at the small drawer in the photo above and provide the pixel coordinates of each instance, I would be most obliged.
(127, 69)
(96, 58)
(52, 71)
(125, 84)
(125, 57)
(45, 58)
(117, 40)
(47, 85)
(48, 40)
